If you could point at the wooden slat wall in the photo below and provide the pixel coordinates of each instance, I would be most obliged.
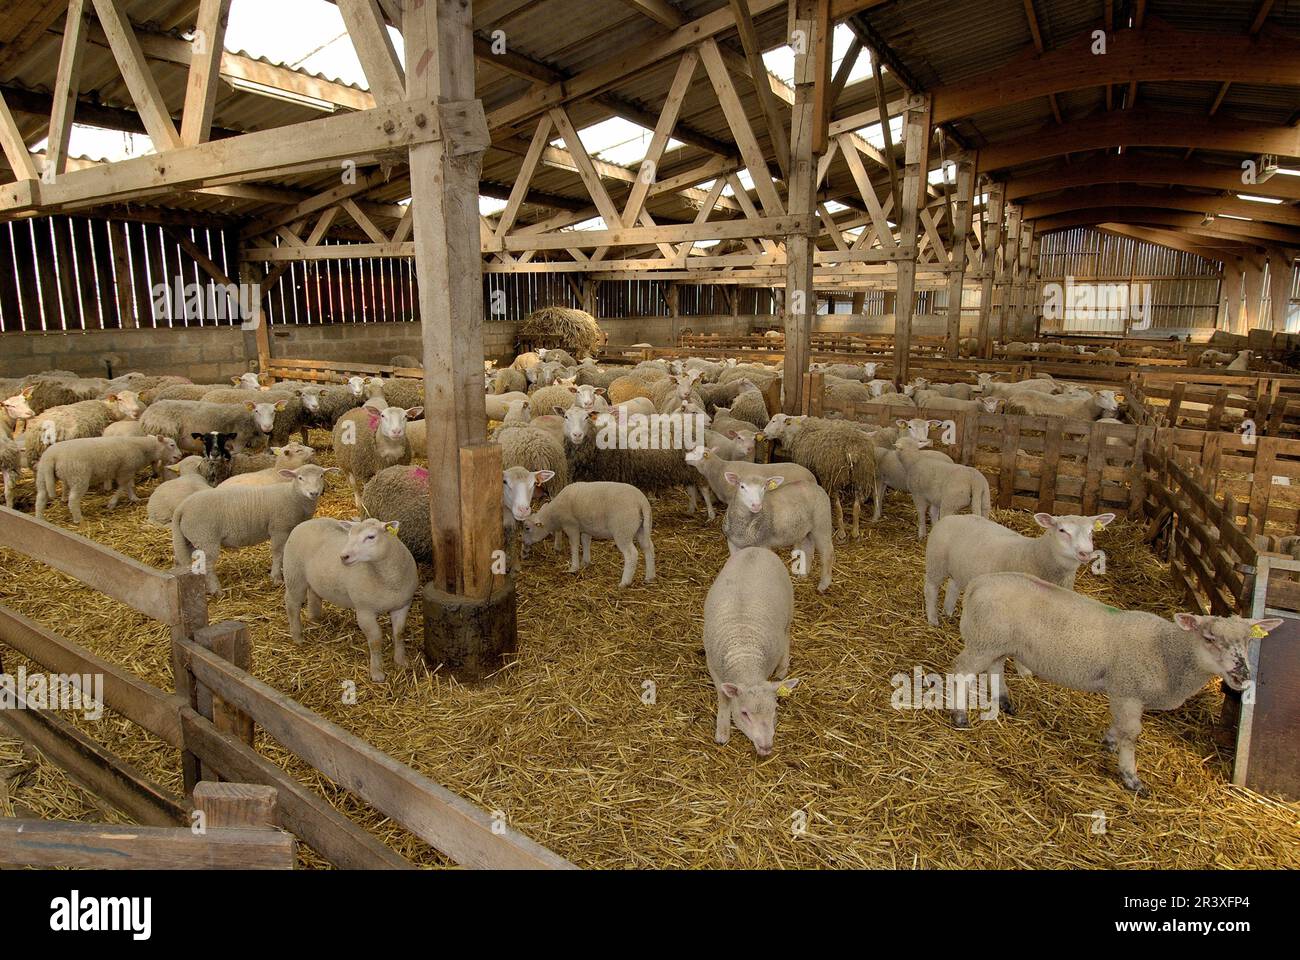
(58, 274)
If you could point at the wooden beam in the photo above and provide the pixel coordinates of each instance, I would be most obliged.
(916, 128)
(66, 84)
(15, 147)
(734, 112)
(762, 88)
(205, 66)
(660, 11)
(525, 177)
(991, 244)
(659, 139)
(374, 47)
(962, 209)
(1126, 195)
(1221, 228)
(139, 79)
(1130, 168)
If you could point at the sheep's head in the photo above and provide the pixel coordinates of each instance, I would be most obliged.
(918, 427)
(781, 427)
(991, 404)
(168, 450)
(870, 370)
(578, 423)
(1071, 535)
(310, 397)
(1108, 401)
(357, 385)
(517, 488)
(753, 708)
(585, 395)
(1223, 643)
(17, 407)
(367, 539)
(264, 414)
(745, 441)
(247, 381)
(293, 454)
(751, 490)
(392, 421)
(309, 479)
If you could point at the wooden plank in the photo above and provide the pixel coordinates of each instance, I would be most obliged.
(374, 47)
(14, 146)
(734, 112)
(430, 811)
(52, 843)
(1007, 468)
(96, 768)
(67, 79)
(226, 805)
(148, 99)
(776, 131)
(139, 587)
(205, 65)
(480, 510)
(1048, 467)
(301, 810)
(151, 707)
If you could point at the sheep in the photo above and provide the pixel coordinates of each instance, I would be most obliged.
(890, 471)
(180, 391)
(968, 346)
(10, 464)
(765, 512)
(713, 465)
(405, 360)
(987, 387)
(757, 373)
(82, 462)
(1076, 406)
(750, 406)
(1242, 360)
(895, 400)
(323, 405)
(124, 428)
(878, 388)
(365, 442)
(288, 457)
(167, 496)
(626, 387)
(734, 445)
(652, 469)
(397, 391)
(940, 488)
(956, 391)
(247, 381)
(360, 565)
(401, 493)
(218, 460)
(86, 418)
(208, 520)
(546, 399)
(589, 398)
(600, 511)
(840, 456)
(498, 405)
(525, 361)
(182, 419)
(1213, 358)
(846, 371)
(534, 448)
(747, 616)
(591, 375)
(15, 410)
(556, 355)
(278, 412)
(546, 373)
(964, 547)
(1139, 660)
(717, 394)
(508, 380)
(1109, 353)
(723, 422)
(44, 392)
(928, 400)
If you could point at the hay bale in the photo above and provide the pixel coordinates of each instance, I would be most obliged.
(561, 327)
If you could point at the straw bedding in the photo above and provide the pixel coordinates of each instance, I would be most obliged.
(561, 742)
(573, 330)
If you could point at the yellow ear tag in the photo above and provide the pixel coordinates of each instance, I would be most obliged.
(1098, 526)
(1258, 632)
(783, 691)
(392, 531)
(773, 484)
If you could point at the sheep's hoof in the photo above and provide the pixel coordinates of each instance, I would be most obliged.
(721, 738)
(1005, 706)
(1110, 743)
(1131, 782)
(960, 720)
(377, 676)
(841, 536)
(823, 587)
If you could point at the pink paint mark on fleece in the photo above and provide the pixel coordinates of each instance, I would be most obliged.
(420, 473)
(374, 420)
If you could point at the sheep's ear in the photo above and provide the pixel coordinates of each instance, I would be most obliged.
(592, 415)
(196, 436)
(729, 690)
(732, 478)
(346, 525)
(543, 476)
(733, 434)
(774, 482)
(392, 526)
(572, 389)
(1187, 621)
(1266, 625)
(1044, 520)
(934, 423)
(600, 391)
(1103, 520)
(904, 424)
(289, 474)
(250, 404)
(783, 688)
(558, 409)
(278, 451)
(236, 380)
(332, 470)
(281, 404)
(413, 413)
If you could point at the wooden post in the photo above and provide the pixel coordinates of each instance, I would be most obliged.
(1250, 316)
(466, 526)
(228, 805)
(801, 297)
(1280, 267)
(991, 254)
(230, 641)
(192, 607)
(916, 132)
(1010, 266)
(957, 256)
(1234, 272)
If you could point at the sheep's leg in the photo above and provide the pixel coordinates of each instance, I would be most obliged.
(707, 494)
(9, 489)
(1127, 717)
(878, 500)
(629, 561)
(648, 549)
(41, 495)
(313, 604)
(950, 598)
(783, 668)
(822, 542)
(375, 639)
(968, 665)
(131, 495)
(690, 493)
(998, 687)
(306, 435)
(574, 545)
(210, 553)
(399, 645)
(857, 515)
(840, 534)
(722, 730)
(277, 555)
(920, 516)
(586, 549)
(559, 542)
(75, 493)
(293, 597)
(932, 602)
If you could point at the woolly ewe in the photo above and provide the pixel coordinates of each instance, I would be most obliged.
(366, 442)
(242, 516)
(169, 494)
(940, 489)
(80, 463)
(964, 547)
(747, 616)
(598, 511)
(766, 512)
(1139, 660)
(362, 566)
(713, 464)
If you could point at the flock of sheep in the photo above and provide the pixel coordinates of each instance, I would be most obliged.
(555, 415)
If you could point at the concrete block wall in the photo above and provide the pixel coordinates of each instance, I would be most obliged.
(204, 354)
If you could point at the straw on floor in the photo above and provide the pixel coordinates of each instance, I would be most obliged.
(597, 741)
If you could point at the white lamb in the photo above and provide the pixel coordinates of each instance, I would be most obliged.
(360, 565)
(964, 547)
(939, 489)
(764, 512)
(242, 516)
(747, 617)
(92, 460)
(599, 510)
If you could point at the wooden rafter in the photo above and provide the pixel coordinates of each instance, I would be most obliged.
(139, 79)
(66, 83)
(743, 133)
(201, 86)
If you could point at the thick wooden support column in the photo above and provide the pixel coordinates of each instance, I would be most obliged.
(800, 295)
(1254, 301)
(960, 233)
(916, 132)
(1280, 269)
(1234, 273)
(468, 620)
(991, 255)
(1024, 328)
(1010, 265)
